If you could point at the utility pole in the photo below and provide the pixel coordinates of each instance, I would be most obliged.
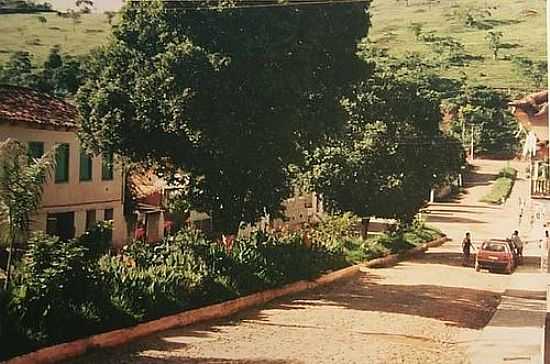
(472, 143)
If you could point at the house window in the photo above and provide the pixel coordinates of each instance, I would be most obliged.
(36, 150)
(61, 224)
(107, 167)
(108, 214)
(85, 166)
(90, 219)
(62, 163)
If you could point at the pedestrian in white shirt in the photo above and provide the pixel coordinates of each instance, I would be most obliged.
(545, 253)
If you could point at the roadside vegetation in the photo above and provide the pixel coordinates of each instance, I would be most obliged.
(68, 290)
(502, 187)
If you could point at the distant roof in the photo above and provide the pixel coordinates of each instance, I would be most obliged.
(145, 183)
(532, 114)
(535, 104)
(35, 108)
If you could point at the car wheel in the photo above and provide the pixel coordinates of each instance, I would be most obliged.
(477, 267)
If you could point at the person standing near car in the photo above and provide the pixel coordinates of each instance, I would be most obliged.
(466, 246)
(519, 245)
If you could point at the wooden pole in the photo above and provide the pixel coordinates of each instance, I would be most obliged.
(472, 144)
(10, 253)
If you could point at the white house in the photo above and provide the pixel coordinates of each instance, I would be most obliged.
(83, 189)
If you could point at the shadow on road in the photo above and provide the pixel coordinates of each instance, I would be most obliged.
(452, 219)
(461, 307)
(463, 206)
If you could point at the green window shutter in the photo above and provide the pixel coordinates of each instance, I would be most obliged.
(85, 166)
(36, 150)
(107, 166)
(62, 163)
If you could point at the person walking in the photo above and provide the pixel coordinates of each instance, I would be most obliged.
(545, 253)
(466, 246)
(519, 246)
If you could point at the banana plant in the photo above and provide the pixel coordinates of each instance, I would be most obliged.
(21, 185)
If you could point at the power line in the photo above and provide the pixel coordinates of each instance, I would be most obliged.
(200, 4)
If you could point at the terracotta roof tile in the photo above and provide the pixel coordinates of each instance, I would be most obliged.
(24, 105)
(146, 183)
(534, 104)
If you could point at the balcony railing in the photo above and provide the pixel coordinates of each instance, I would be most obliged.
(540, 188)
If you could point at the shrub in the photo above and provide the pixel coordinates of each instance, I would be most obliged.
(53, 295)
(157, 279)
(335, 230)
(502, 187)
(271, 261)
(399, 241)
(97, 240)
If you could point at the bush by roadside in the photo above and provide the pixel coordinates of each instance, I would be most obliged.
(502, 186)
(396, 242)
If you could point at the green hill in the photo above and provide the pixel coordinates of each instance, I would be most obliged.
(522, 23)
(26, 32)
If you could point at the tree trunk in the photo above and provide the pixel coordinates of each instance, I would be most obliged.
(365, 227)
(10, 253)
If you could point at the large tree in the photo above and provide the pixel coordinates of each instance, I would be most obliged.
(391, 151)
(230, 94)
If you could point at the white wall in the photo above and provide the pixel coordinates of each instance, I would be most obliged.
(74, 195)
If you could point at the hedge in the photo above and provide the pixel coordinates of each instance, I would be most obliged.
(502, 187)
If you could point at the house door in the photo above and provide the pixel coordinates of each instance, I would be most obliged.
(61, 224)
(152, 227)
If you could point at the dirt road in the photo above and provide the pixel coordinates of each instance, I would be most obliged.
(428, 310)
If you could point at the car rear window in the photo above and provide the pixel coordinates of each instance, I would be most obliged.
(494, 247)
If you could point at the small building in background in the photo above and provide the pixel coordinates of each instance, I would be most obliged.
(83, 189)
(147, 192)
(298, 211)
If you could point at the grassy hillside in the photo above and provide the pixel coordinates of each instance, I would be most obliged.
(26, 32)
(522, 23)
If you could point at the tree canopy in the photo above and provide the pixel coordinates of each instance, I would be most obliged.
(60, 74)
(391, 151)
(230, 95)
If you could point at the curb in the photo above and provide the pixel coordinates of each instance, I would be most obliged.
(73, 349)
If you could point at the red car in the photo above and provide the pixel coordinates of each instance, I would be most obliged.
(495, 255)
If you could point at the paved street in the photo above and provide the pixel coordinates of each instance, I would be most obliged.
(427, 310)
